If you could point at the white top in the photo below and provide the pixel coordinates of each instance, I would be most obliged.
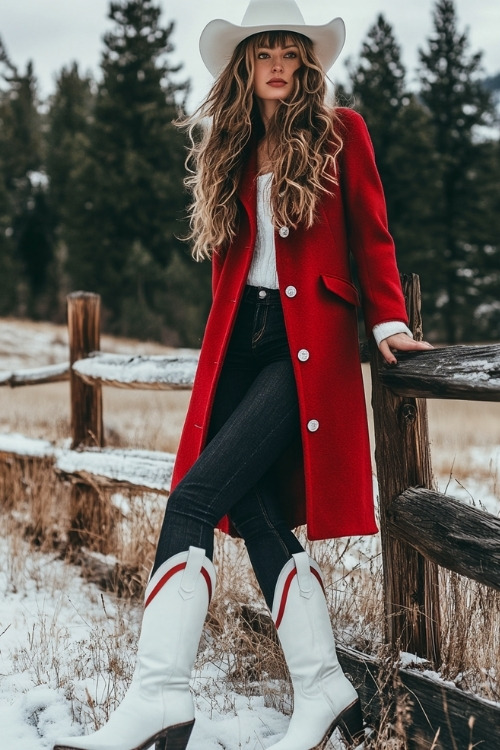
(263, 267)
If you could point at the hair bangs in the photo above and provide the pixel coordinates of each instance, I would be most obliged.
(278, 38)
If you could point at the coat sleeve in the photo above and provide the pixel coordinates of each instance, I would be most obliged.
(366, 223)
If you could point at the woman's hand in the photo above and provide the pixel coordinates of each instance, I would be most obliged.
(400, 342)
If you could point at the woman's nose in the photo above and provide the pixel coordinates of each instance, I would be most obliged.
(277, 65)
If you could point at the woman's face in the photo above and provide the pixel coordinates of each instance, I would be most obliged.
(274, 74)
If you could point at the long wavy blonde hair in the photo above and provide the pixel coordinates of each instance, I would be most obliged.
(305, 141)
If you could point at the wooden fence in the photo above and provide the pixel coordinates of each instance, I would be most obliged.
(420, 528)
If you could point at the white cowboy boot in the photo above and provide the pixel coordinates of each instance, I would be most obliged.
(323, 697)
(158, 707)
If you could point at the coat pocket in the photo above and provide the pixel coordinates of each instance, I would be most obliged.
(342, 288)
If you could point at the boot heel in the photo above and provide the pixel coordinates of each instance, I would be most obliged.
(351, 725)
(176, 737)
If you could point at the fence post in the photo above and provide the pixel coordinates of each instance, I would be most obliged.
(84, 320)
(403, 460)
(91, 520)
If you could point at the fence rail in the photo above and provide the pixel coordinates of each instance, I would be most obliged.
(36, 375)
(470, 373)
(143, 372)
(420, 528)
(146, 471)
(460, 538)
(153, 372)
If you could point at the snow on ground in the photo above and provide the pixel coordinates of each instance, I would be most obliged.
(480, 488)
(58, 636)
(31, 344)
(27, 344)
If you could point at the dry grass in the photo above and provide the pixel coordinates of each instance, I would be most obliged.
(37, 506)
(102, 655)
(471, 635)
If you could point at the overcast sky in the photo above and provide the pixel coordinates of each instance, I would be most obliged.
(53, 33)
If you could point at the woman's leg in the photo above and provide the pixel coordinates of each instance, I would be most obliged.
(269, 541)
(249, 442)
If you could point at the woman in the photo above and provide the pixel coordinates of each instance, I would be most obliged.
(285, 189)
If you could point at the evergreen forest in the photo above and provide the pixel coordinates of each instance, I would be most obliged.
(92, 195)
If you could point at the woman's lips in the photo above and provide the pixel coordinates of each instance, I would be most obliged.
(276, 82)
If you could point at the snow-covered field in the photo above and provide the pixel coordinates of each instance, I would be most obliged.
(56, 636)
(67, 649)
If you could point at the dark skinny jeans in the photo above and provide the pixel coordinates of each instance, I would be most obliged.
(254, 419)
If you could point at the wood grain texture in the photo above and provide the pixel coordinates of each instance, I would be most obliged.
(84, 310)
(439, 716)
(403, 460)
(456, 536)
(470, 373)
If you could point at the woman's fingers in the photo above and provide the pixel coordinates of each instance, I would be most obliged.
(403, 343)
(386, 353)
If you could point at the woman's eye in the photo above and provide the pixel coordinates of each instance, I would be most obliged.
(262, 55)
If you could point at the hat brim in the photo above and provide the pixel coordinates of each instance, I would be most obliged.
(219, 39)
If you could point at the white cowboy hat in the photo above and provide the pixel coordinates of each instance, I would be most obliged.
(219, 38)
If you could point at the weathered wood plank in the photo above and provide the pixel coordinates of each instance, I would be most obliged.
(440, 716)
(456, 536)
(150, 471)
(402, 454)
(35, 375)
(156, 372)
(469, 373)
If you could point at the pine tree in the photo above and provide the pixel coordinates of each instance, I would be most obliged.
(10, 272)
(9, 269)
(399, 128)
(21, 159)
(458, 105)
(68, 120)
(378, 84)
(127, 199)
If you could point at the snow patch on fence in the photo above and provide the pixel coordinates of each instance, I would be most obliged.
(167, 370)
(150, 469)
(478, 376)
(21, 445)
(139, 468)
(34, 375)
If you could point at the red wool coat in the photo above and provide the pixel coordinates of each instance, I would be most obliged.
(325, 481)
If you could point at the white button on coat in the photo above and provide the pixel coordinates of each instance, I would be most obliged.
(290, 291)
(303, 355)
(284, 232)
(313, 425)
